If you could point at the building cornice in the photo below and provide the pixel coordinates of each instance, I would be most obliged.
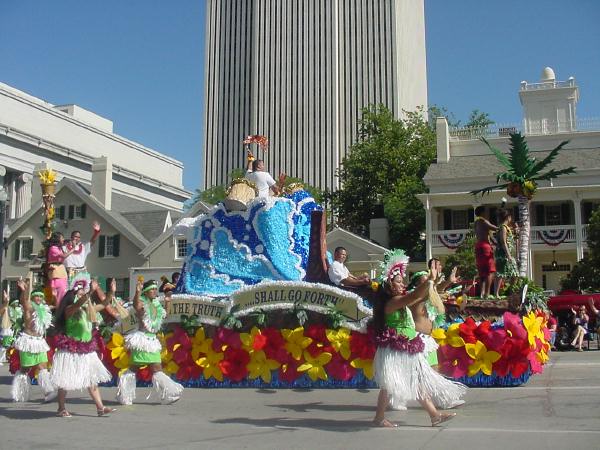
(76, 155)
(48, 108)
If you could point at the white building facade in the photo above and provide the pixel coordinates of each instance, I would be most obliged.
(560, 209)
(300, 72)
(35, 134)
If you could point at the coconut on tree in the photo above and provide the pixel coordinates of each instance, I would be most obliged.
(523, 171)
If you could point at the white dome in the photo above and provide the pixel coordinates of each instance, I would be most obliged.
(548, 74)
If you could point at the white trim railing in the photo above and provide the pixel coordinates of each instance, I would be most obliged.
(553, 235)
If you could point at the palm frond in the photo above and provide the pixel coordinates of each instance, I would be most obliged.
(501, 157)
(548, 159)
(487, 190)
(519, 155)
(555, 173)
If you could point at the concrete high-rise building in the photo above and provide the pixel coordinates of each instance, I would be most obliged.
(299, 72)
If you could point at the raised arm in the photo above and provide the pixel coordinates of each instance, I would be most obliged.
(416, 296)
(138, 305)
(5, 302)
(82, 297)
(95, 232)
(24, 299)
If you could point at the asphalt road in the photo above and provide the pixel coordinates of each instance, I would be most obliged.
(556, 410)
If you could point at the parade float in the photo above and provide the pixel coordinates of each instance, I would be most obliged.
(254, 308)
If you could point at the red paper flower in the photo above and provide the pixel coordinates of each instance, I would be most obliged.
(361, 345)
(188, 371)
(274, 346)
(180, 337)
(467, 330)
(453, 361)
(340, 369)
(289, 371)
(494, 339)
(14, 363)
(226, 337)
(514, 326)
(144, 374)
(514, 358)
(234, 364)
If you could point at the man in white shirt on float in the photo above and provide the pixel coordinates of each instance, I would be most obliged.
(263, 180)
(339, 273)
(75, 262)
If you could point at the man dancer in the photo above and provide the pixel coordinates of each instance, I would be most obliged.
(32, 346)
(484, 253)
(144, 347)
(75, 262)
(255, 173)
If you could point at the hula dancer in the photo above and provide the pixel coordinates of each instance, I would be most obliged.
(145, 348)
(76, 364)
(77, 254)
(506, 265)
(32, 346)
(484, 253)
(402, 369)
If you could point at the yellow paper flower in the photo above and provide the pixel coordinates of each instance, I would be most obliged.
(171, 367)
(365, 364)
(533, 324)
(47, 176)
(166, 356)
(261, 366)
(296, 342)
(451, 336)
(248, 339)
(199, 343)
(314, 366)
(483, 358)
(340, 340)
(210, 361)
(118, 352)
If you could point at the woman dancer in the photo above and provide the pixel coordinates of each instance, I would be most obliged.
(57, 273)
(76, 364)
(506, 265)
(32, 346)
(401, 367)
(144, 346)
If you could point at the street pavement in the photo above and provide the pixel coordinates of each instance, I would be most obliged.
(555, 410)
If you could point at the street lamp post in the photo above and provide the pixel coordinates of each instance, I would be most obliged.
(3, 198)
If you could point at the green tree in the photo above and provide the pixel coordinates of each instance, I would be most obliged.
(523, 171)
(464, 258)
(385, 168)
(585, 275)
(478, 119)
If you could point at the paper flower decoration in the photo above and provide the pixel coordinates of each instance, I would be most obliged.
(482, 358)
(314, 365)
(296, 342)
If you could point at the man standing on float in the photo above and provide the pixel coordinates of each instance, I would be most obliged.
(144, 347)
(78, 253)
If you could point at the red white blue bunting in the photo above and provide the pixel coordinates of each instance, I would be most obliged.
(554, 237)
(452, 240)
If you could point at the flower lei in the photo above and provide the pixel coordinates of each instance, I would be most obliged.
(78, 250)
(42, 318)
(154, 313)
(390, 338)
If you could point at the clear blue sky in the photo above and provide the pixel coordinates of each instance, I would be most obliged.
(140, 63)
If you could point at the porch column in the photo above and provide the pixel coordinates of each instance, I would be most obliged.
(23, 194)
(530, 266)
(578, 227)
(428, 229)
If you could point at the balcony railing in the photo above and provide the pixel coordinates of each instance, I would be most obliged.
(533, 129)
(550, 236)
(547, 85)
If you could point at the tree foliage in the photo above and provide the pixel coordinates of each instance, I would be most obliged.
(385, 168)
(464, 258)
(585, 275)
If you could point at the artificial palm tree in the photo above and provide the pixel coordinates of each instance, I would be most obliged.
(523, 171)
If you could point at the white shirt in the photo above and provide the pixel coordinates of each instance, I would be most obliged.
(262, 180)
(77, 259)
(337, 272)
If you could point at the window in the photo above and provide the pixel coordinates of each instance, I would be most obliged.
(122, 288)
(459, 220)
(77, 211)
(109, 246)
(181, 248)
(23, 249)
(553, 215)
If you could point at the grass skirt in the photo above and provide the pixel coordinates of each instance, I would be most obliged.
(75, 371)
(409, 377)
(31, 344)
